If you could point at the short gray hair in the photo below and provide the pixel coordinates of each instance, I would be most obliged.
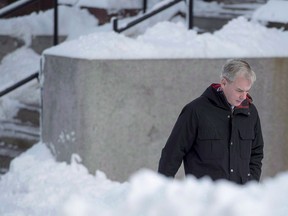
(234, 67)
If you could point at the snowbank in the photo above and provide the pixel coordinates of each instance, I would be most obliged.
(73, 21)
(239, 38)
(273, 11)
(37, 185)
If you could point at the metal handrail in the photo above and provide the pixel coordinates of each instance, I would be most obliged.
(19, 84)
(34, 75)
(144, 17)
(17, 6)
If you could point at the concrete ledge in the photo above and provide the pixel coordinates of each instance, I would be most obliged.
(118, 114)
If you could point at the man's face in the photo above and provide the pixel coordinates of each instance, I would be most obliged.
(236, 91)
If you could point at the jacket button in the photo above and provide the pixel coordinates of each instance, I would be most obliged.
(248, 174)
(231, 143)
(231, 170)
(228, 116)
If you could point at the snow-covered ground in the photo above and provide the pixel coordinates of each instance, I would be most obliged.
(38, 185)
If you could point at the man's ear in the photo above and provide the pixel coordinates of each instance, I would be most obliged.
(223, 82)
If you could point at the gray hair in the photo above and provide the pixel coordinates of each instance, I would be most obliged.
(235, 67)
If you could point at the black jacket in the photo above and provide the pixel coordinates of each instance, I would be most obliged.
(212, 140)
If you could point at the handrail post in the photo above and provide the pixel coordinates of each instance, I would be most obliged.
(190, 14)
(55, 22)
(115, 24)
(144, 6)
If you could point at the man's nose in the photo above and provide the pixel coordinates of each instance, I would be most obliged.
(243, 95)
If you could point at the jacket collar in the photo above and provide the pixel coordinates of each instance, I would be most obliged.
(215, 94)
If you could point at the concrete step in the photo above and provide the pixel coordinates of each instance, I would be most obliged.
(9, 44)
(8, 152)
(29, 116)
(4, 164)
(11, 147)
(18, 134)
(39, 43)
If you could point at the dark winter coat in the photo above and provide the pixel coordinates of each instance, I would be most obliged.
(212, 140)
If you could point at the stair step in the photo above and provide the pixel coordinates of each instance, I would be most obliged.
(13, 145)
(39, 43)
(9, 150)
(18, 129)
(5, 163)
(28, 116)
(18, 134)
(9, 44)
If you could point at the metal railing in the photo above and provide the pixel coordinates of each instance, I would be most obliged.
(11, 9)
(19, 84)
(55, 32)
(190, 13)
(154, 12)
(144, 6)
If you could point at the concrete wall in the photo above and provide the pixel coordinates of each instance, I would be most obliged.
(118, 114)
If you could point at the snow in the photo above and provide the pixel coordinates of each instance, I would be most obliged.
(239, 38)
(22, 68)
(114, 4)
(14, 67)
(273, 11)
(36, 184)
(73, 21)
(110, 4)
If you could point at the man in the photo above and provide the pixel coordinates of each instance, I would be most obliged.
(218, 134)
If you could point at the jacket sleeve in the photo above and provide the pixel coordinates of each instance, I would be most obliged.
(178, 143)
(257, 153)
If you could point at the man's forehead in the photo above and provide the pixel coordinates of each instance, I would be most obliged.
(242, 84)
(243, 89)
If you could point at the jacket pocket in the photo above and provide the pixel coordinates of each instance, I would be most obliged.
(246, 139)
(210, 144)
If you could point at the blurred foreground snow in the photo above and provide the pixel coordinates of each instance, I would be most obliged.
(38, 185)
